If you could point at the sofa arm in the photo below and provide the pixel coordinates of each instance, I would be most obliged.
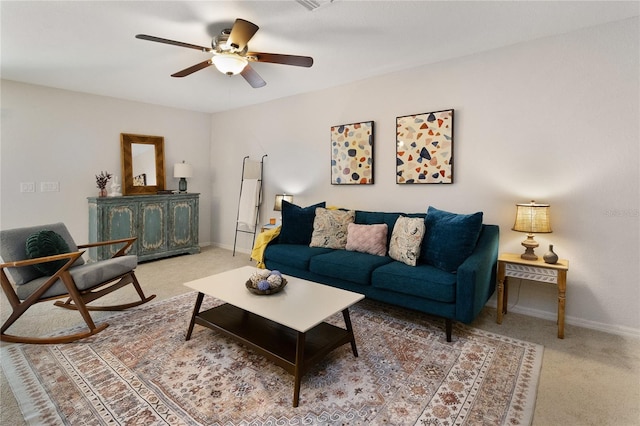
(477, 275)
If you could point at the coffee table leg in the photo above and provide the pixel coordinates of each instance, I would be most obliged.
(196, 311)
(347, 321)
(299, 367)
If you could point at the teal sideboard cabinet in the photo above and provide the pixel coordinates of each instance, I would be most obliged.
(166, 225)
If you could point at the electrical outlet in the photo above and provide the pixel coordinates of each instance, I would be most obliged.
(49, 186)
(27, 187)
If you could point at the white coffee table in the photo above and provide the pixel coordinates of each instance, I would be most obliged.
(287, 328)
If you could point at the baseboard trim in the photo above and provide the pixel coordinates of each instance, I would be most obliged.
(579, 322)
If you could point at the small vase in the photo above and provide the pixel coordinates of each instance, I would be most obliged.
(103, 192)
(550, 256)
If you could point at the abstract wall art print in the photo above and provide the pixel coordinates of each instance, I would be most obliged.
(352, 154)
(424, 148)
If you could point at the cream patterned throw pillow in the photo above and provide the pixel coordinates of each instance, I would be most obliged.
(406, 239)
(330, 228)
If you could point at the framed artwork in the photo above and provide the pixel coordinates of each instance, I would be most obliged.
(424, 148)
(352, 154)
(140, 180)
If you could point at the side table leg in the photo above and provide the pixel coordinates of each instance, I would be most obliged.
(501, 279)
(196, 311)
(347, 321)
(299, 367)
(562, 289)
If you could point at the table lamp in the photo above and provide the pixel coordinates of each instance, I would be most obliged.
(532, 218)
(182, 171)
(279, 197)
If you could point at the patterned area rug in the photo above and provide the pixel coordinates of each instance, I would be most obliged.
(140, 370)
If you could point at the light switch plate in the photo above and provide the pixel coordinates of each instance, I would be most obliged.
(49, 186)
(27, 187)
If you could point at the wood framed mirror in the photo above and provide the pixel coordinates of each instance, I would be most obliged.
(142, 164)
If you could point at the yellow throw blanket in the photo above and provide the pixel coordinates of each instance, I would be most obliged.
(263, 239)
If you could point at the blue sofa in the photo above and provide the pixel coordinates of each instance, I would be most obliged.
(458, 294)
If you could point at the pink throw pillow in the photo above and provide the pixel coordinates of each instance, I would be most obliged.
(370, 239)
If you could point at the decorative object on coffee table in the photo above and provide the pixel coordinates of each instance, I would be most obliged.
(352, 154)
(264, 282)
(424, 148)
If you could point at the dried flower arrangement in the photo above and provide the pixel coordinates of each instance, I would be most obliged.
(102, 179)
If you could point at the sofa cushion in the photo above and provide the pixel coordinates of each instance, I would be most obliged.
(371, 239)
(295, 255)
(406, 239)
(46, 243)
(297, 223)
(330, 228)
(347, 265)
(421, 281)
(450, 238)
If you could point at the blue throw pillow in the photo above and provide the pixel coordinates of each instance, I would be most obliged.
(449, 238)
(297, 223)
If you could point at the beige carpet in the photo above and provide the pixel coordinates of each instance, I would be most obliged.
(589, 378)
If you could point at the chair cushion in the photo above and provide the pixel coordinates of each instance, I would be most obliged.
(450, 238)
(371, 239)
(13, 249)
(46, 243)
(297, 223)
(85, 276)
(330, 228)
(406, 239)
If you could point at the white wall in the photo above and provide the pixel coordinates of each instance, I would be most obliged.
(68, 137)
(555, 120)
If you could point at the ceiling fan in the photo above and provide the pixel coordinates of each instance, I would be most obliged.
(231, 53)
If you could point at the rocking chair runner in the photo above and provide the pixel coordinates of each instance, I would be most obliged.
(82, 283)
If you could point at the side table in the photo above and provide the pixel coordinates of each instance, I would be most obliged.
(269, 226)
(512, 265)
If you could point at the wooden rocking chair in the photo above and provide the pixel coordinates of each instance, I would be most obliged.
(25, 280)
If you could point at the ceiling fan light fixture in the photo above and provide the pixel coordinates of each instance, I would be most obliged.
(229, 64)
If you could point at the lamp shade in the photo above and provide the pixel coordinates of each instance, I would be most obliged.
(182, 170)
(279, 197)
(229, 64)
(532, 218)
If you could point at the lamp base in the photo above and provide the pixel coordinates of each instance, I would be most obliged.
(529, 244)
(182, 186)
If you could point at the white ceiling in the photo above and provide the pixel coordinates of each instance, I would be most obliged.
(90, 46)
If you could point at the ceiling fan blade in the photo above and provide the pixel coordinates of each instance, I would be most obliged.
(197, 67)
(275, 58)
(252, 77)
(173, 42)
(241, 33)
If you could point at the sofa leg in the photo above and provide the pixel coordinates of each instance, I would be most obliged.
(448, 323)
